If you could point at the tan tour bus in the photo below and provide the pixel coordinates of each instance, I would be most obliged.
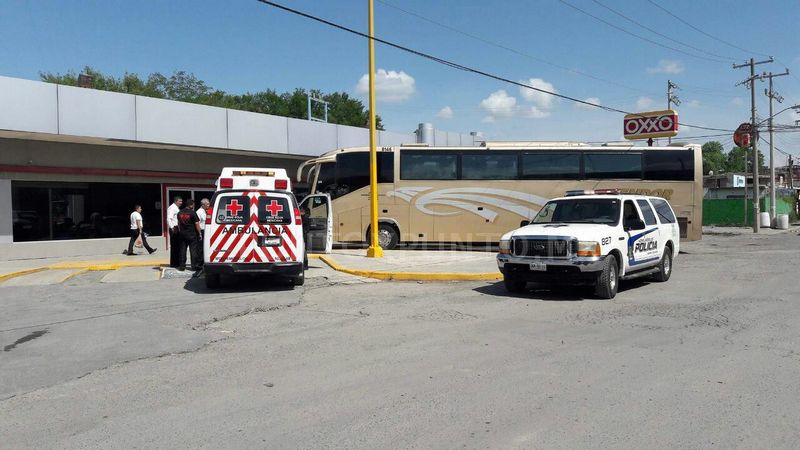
(475, 194)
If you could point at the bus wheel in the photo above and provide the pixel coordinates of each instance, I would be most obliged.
(213, 280)
(387, 236)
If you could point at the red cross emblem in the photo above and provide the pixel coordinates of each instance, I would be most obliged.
(274, 208)
(234, 207)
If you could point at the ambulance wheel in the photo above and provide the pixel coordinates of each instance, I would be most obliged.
(514, 285)
(388, 237)
(213, 280)
(608, 280)
(299, 280)
(664, 267)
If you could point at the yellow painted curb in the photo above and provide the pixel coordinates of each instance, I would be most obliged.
(73, 275)
(104, 265)
(19, 273)
(413, 276)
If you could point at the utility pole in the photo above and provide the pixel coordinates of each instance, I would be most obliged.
(374, 250)
(671, 98)
(754, 133)
(791, 173)
(772, 96)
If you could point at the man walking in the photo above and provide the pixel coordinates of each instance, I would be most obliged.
(188, 235)
(172, 226)
(137, 231)
(202, 213)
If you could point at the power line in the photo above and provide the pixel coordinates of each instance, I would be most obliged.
(659, 33)
(460, 66)
(638, 36)
(510, 49)
(703, 32)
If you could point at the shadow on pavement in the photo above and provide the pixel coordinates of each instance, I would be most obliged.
(536, 291)
(232, 284)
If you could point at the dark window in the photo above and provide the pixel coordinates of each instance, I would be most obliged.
(326, 179)
(605, 211)
(232, 209)
(613, 165)
(428, 166)
(352, 172)
(647, 211)
(663, 211)
(677, 165)
(629, 214)
(489, 166)
(274, 210)
(551, 166)
(385, 167)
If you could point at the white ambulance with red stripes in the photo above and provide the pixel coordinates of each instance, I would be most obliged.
(254, 227)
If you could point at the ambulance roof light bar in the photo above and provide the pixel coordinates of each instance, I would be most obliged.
(575, 192)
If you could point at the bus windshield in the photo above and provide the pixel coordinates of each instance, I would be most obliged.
(584, 210)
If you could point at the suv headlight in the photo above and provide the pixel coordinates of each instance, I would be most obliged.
(505, 247)
(588, 248)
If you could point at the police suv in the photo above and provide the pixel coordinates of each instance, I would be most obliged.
(254, 227)
(592, 237)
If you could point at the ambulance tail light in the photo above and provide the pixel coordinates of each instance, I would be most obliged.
(209, 215)
(226, 183)
(281, 185)
(298, 218)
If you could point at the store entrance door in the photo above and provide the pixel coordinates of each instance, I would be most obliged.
(196, 193)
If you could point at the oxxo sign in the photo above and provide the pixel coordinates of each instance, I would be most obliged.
(651, 124)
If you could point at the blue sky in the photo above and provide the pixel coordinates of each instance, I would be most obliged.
(240, 46)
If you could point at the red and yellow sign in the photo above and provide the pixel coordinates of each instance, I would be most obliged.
(653, 124)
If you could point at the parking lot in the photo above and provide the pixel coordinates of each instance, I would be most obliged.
(708, 359)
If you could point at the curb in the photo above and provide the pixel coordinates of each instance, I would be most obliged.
(20, 273)
(110, 265)
(412, 276)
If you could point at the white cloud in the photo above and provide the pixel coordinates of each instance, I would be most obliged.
(445, 113)
(535, 113)
(390, 86)
(667, 66)
(694, 104)
(488, 119)
(540, 99)
(499, 104)
(593, 100)
(737, 101)
(644, 102)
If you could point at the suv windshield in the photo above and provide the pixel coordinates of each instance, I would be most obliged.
(582, 210)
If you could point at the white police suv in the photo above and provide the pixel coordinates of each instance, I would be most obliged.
(592, 237)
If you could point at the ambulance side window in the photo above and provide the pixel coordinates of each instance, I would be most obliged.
(232, 209)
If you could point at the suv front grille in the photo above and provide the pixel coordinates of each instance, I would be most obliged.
(546, 248)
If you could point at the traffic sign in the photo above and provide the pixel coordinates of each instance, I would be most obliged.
(741, 137)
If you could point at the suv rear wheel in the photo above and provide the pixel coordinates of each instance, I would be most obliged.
(608, 281)
(664, 267)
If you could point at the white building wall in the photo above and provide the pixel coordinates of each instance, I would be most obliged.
(35, 106)
(28, 106)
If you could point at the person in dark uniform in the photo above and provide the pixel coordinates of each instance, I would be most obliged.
(189, 235)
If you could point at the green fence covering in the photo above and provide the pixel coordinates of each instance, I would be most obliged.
(731, 211)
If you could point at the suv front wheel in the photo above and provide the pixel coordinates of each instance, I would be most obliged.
(664, 267)
(608, 280)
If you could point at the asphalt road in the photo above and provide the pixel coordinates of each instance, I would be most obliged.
(709, 359)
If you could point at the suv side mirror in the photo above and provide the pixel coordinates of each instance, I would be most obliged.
(524, 223)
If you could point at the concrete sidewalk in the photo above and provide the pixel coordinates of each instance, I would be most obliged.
(16, 268)
(417, 265)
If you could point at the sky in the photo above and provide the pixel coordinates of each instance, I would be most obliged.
(616, 53)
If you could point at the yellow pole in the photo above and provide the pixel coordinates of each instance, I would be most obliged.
(374, 250)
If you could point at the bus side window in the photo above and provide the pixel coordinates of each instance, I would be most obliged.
(326, 179)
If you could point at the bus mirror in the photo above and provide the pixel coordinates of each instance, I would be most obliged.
(524, 223)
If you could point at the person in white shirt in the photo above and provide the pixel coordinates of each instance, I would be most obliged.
(137, 231)
(172, 225)
(202, 212)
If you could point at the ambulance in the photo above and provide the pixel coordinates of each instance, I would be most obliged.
(255, 227)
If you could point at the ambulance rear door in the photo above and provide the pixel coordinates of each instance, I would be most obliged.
(318, 223)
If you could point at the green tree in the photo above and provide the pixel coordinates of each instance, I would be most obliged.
(186, 87)
(713, 157)
(736, 160)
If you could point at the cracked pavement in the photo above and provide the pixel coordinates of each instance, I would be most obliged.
(708, 359)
